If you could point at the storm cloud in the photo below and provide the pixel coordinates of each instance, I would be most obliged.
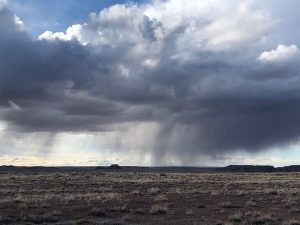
(199, 71)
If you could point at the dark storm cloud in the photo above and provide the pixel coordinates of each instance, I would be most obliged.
(203, 101)
(40, 76)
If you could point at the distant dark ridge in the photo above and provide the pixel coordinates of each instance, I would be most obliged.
(42, 169)
(259, 169)
(248, 168)
(143, 169)
(26, 168)
(115, 167)
(230, 169)
(292, 168)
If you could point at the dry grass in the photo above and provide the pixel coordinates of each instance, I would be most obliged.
(150, 198)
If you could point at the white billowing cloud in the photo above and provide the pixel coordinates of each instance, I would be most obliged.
(193, 25)
(237, 28)
(212, 25)
(281, 53)
(123, 27)
(73, 32)
(19, 22)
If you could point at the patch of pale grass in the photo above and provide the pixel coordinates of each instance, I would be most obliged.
(154, 191)
(159, 209)
(160, 198)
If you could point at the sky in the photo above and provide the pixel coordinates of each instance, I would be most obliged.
(161, 83)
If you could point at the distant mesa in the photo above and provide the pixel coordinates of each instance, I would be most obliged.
(115, 167)
(111, 167)
(8, 166)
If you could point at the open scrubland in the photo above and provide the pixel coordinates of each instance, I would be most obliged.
(150, 198)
